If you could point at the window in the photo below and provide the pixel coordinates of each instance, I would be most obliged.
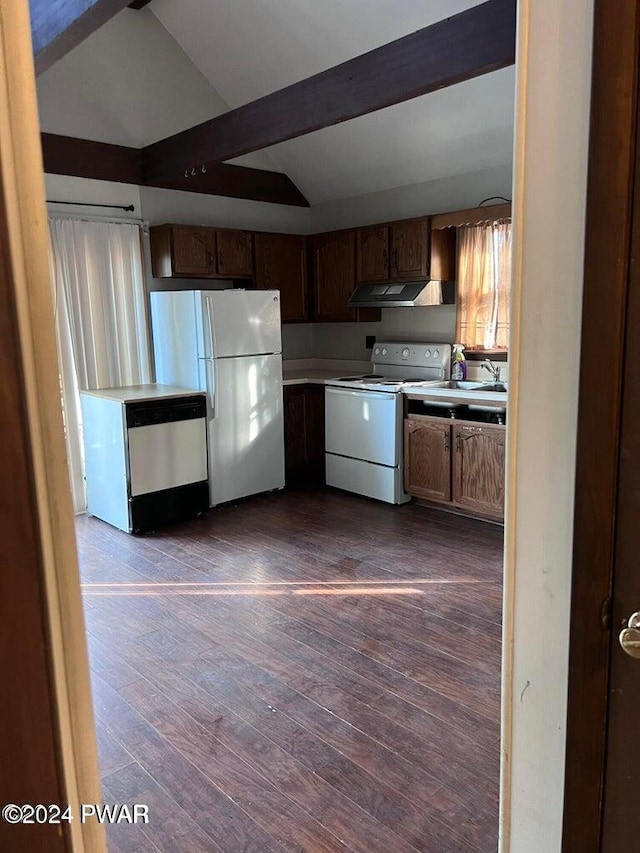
(484, 284)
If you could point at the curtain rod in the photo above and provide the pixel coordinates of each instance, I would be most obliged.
(129, 207)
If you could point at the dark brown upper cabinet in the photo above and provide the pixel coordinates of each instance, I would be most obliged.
(373, 253)
(409, 250)
(405, 251)
(281, 264)
(334, 275)
(234, 254)
(181, 250)
(442, 254)
(185, 251)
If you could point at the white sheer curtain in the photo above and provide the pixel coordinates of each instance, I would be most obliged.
(484, 285)
(101, 319)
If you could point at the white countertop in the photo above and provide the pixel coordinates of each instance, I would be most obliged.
(136, 393)
(311, 376)
(465, 398)
(318, 371)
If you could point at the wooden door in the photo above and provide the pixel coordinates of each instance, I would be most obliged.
(478, 469)
(193, 251)
(621, 816)
(602, 762)
(281, 264)
(334, 266)
(427, 458)
(410, 249)
(373, 253)
(234, 253)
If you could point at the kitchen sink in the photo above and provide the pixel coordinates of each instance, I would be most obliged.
(492, 386)
(458, 385)
(467, 385)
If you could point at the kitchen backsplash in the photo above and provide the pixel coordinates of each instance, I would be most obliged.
(348, 340)
(297, 340)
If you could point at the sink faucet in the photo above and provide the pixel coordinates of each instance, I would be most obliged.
(492, 368)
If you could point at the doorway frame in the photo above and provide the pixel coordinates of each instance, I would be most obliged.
(37, 419)
(612, 157)
(68, 654)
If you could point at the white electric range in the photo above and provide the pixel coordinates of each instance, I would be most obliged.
(363, 418)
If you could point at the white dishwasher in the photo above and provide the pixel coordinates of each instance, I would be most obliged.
(145, 455)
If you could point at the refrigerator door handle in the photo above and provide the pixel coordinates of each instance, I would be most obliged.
(212, 383)
(211, 327)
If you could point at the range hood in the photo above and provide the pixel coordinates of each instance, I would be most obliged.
(406, 294)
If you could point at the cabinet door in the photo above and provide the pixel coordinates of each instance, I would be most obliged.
(442, 254)
(192, 251)
(409, 249)
(295, 439)
(334, 265)
(478, 469)
(234, 253)
(373, 253)
(314, 419)
(281, 264)
(427, 459)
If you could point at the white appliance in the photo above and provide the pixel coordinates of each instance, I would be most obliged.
(364, 419)
(227, 343)
(145, 452)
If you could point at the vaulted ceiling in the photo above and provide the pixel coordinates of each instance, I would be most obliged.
(148, 74)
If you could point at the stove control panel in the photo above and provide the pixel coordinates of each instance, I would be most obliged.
(412, 354)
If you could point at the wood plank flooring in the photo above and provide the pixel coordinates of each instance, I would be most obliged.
(304, 671)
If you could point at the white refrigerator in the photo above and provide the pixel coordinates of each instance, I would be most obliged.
(228, 344)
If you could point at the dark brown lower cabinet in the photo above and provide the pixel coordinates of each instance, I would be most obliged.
(459, 465)
(304, 434)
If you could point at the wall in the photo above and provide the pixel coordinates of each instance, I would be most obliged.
(129, 83)
(453, 193)
(346, 340)
(319, 340)
(297, 340)
(159, 206)
(65, 188)
(554, 69)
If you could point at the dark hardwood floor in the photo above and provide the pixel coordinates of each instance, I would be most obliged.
(305, 671)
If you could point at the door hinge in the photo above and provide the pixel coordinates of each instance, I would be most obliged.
(606, 614)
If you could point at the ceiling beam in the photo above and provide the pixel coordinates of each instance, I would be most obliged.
(227, 179)
(474, 42)
(84, 158)
(57, 26)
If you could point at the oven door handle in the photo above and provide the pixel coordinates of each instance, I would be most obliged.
(349, 392)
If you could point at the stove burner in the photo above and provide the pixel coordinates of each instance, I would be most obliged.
(361, 378)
